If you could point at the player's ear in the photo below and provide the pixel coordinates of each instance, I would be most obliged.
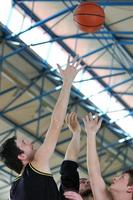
(22, 156)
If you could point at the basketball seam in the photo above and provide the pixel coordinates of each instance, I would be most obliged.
(87, 25)
(89, 14)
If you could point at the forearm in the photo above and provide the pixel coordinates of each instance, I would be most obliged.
(73, 148)
(57, 119)
(59, 111)
(98, 186)
(93, 164)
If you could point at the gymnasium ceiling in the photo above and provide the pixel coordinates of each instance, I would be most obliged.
(30, 84)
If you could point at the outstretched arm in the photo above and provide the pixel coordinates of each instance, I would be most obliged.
(74, 145)
(44, 153)
(69, 173)
(98, 186)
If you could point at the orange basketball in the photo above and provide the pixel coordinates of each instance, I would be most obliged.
(89, 17)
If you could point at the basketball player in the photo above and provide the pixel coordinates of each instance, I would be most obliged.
(69, 175)
(122, 186)
(35, 181)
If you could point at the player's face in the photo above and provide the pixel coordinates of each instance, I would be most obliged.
(84, 185)
(120, 183)
(26, 147)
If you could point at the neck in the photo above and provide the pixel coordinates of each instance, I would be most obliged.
(25, 163)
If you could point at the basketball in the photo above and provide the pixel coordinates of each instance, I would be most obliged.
(89, 17)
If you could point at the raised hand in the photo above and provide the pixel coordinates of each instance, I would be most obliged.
(92, 124)
(72, 195)
(72, 122)
(71, 70)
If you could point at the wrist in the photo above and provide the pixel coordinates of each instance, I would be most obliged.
(91, 134)
(76, 134)
(67, 84)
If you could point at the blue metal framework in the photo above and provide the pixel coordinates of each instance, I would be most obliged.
(109, 40)
(53, 35)
(102, 3)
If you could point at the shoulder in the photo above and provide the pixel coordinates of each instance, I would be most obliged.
(35, 168)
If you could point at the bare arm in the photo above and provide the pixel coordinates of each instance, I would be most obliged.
(97, 183)
(44, 153)
(74, 145)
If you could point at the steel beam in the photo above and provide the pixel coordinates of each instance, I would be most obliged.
(70, 51)
(102, 3)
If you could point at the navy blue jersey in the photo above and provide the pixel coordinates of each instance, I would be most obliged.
(34, 185)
